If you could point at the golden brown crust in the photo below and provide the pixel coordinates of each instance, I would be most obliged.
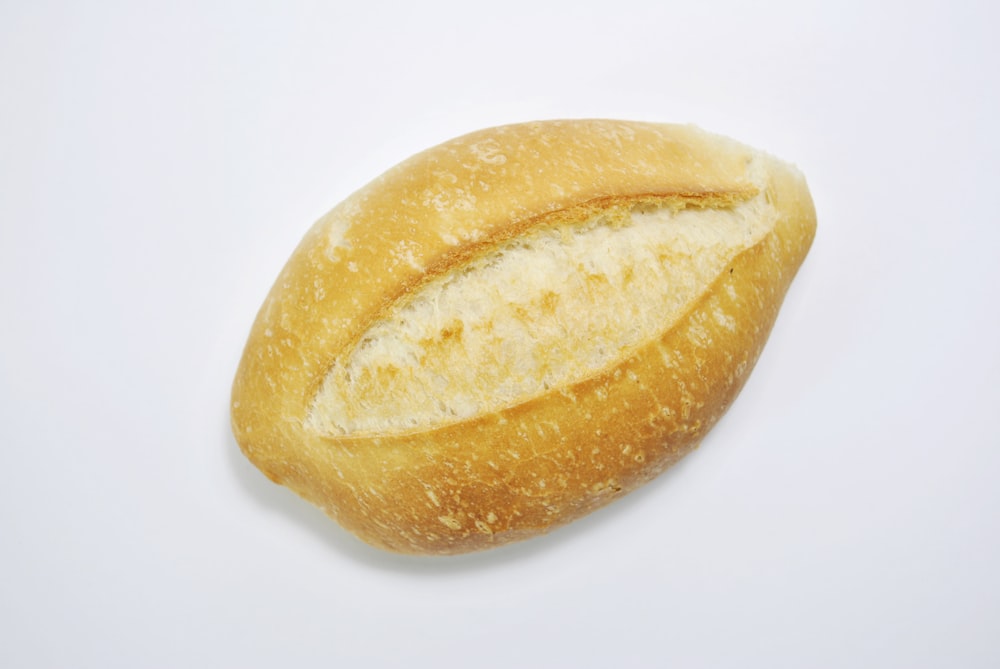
(520, 471)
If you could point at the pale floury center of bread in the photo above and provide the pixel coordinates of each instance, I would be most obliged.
(539, 312)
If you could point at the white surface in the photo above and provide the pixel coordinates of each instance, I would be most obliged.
(158, 163)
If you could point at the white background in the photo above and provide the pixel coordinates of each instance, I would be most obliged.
(159, 162)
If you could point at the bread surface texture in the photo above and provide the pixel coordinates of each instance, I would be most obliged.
(511, 329)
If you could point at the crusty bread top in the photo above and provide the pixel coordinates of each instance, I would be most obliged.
(371, 352)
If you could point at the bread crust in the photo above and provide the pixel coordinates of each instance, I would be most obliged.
(524, 469)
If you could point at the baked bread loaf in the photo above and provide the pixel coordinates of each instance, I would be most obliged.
(510, 330)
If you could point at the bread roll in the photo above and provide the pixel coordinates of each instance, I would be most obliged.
(512, 329)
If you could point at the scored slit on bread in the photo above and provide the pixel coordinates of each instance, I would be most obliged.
(550, 307)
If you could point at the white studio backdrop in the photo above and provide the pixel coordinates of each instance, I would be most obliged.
(160, 161)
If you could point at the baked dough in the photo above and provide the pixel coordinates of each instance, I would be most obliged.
(509, 330)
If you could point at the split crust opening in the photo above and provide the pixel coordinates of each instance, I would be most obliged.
(542, 311)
